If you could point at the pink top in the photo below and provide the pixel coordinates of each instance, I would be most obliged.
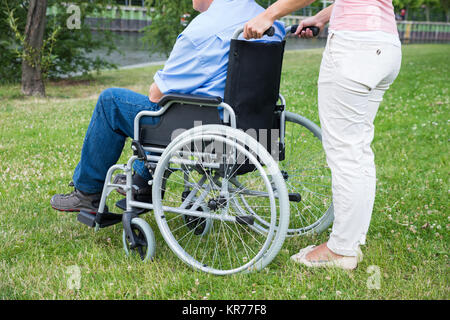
(363, 15)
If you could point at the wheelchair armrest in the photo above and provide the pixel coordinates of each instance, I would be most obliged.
(190, 99)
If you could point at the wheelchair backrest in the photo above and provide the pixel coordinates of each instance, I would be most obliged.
(253, 82)
(252, 90)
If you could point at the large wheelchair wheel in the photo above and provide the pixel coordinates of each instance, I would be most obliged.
(203, 163)
(306, 172)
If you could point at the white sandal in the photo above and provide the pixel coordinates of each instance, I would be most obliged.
(346, 262)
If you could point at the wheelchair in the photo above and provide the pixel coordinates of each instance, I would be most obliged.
(231, 178)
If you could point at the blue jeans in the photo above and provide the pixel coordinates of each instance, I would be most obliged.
(111, 123)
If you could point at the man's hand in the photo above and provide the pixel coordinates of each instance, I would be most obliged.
(255, 28)
(154, 94)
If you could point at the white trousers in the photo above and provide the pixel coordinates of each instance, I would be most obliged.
(354, 76)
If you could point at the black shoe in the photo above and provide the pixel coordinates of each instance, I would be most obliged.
(142, 193)
(76, 201)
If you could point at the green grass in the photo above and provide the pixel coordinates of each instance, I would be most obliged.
(40, 142)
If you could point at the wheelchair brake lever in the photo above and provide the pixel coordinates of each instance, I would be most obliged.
(138, 150)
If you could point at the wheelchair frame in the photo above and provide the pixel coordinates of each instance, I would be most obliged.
(275, 231)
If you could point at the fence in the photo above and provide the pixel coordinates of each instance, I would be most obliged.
(128, 19)
(134, 19)
(409, 31)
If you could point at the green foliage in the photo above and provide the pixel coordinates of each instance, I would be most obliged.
(264, 3)
(424, 10)
(43, 57)
(74, 45)
(411, 4)
(10, 68)
(169, 18)
(66, 54)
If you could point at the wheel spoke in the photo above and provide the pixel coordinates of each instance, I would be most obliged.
(216, 244)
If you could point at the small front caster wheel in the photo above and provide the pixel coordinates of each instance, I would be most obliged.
(145, 239)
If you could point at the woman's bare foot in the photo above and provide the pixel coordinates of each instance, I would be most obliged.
(322, 253)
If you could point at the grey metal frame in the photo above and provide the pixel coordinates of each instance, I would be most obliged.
(229, 118)
(275, 232)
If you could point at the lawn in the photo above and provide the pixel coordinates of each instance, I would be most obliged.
(406, 256)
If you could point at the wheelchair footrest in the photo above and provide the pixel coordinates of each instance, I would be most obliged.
(295, 197)
(122, 204)
(107, 219)
(245, 220)
(86, 218)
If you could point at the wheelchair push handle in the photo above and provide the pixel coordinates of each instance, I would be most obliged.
(315, 30)
(269, 32)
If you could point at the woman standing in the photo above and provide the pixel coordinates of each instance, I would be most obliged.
(361, 60)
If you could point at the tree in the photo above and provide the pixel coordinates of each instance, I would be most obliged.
(73, 47)
(406, 4)
(169, 18)
(32, 79)
(427, 5)
(65, 52)
(445, 7)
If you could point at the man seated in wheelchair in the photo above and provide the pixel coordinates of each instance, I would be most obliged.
(196, 65)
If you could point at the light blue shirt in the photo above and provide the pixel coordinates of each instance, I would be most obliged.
(199, 60)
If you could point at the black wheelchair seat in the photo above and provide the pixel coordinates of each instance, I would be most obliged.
(190, 99)
(178, 118)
